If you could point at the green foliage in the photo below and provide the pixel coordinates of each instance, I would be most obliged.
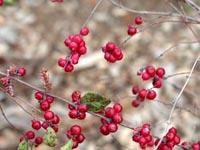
(23, 145)
(9, 2)
(67, 146)
(95, 102)
(50, 137)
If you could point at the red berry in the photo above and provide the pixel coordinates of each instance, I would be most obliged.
(30, 134)
(84, 31)
(55, 128)
(145, 76)
(150, 70)
(142, 93)
(136, 137)
(45, 125)
(145, 131)
(135, 103)
(151, 94)
(82, 50)
(104, 130)
(170, 144)
(117, 107)
(138, 20)
(44, 105)
(49, 99)
(170, 136)
(135, 89)
(160, 72)
(62, 62)
(21, 138)
(81, 115)
(73, 114)
(1, 2)
(177, 139)
(117, 118)
(142, 141)
(56, 119)
(195, 146)
(157, 83)
(21, 71)
(132, 30)
(82, 108)
(38, 140)
(77, 39)
(69, 67)
(39, 95)
(110, 46)
(36, 124)
(75, 130)
(110, 112)
(49, 115)
(112, 127)
(75, 58)
(173, 130)
(80, 138)
(75, 144)
(76, 97)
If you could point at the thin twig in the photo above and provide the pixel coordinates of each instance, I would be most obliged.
(4, 115)
(92, 13)
(193, 5)
(166, 14)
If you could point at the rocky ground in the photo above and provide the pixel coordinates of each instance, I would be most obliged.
(32, 35)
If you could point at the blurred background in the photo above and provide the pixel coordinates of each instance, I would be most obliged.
(32, 35)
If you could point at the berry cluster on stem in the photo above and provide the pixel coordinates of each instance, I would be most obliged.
(148, 73)
(112, 52)
(77, 110)
(114, 117)
(142, 136)
(75, 133)
(169, 141)
(77, 47)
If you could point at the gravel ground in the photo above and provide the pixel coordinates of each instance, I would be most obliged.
(32, 35)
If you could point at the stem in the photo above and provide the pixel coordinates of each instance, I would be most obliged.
(92, 13)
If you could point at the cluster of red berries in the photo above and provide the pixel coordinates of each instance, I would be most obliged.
(59, 1)
(151, 73)
(78, 110)
(75, 134)
(112, 52)
(142, 94)
(44, 100)
(190, 146)
(30, 136)
(132, 30)
(1, 2)
(143, 137)
(18, 71)
(147, 73)
(114, 117)
(77, 46)
(51, 119)
(169, 141)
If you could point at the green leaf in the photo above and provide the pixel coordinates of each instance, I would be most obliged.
(9, 2)
(50, 137)
(95, 101)
(23, 145)
(67, 146)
